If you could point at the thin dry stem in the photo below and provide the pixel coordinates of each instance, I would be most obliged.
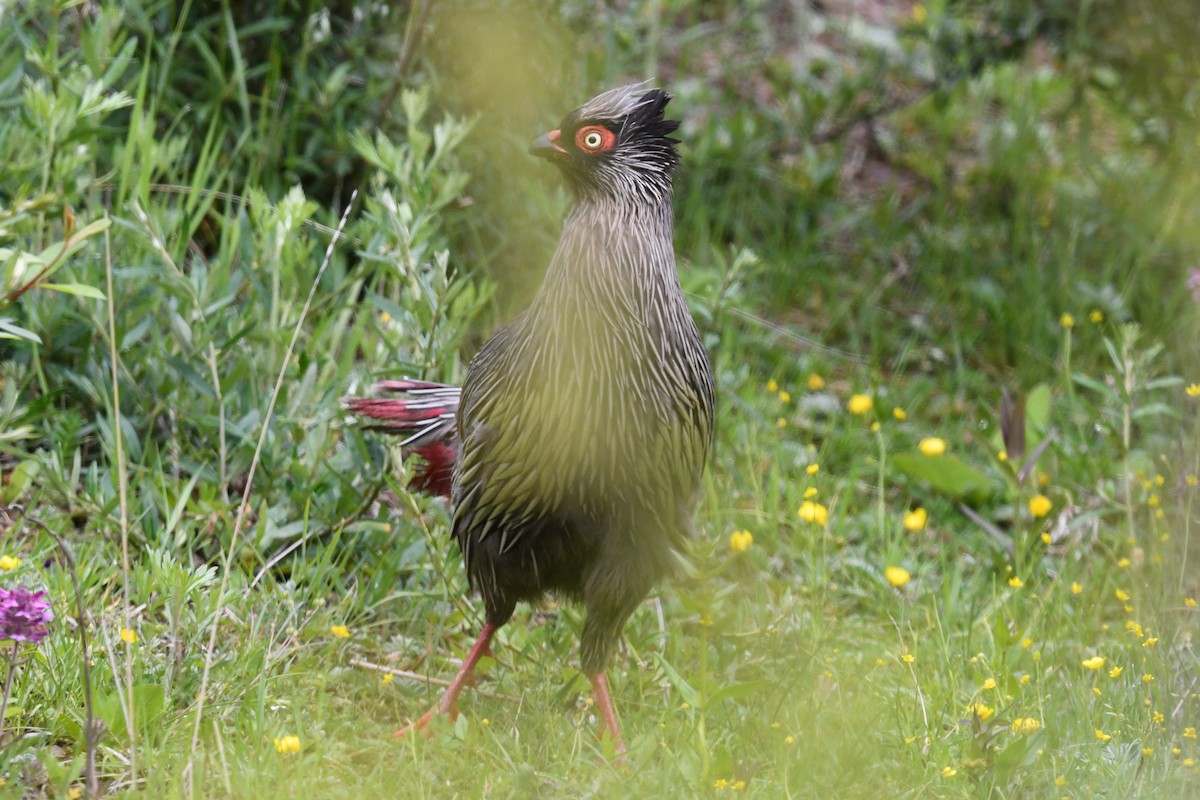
(244, 502)
(416, 676)
(123, 496)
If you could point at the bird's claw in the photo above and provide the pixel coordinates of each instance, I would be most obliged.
(422, 725)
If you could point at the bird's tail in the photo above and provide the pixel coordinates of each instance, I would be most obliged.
(424, 414)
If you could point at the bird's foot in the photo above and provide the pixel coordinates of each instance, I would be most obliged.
(422, 725)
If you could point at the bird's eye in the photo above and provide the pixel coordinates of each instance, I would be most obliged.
(594, 138)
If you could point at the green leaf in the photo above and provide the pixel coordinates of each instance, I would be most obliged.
(946, 474)
(148, 702)
(75, 288)
(19, 479)
(1037, 413)
(686, 690)
(738, 690)
(10, 331)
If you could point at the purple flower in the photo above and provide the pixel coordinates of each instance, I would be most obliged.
(23, 615)
(1193, 283)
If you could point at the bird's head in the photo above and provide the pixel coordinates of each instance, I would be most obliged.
(618, 143)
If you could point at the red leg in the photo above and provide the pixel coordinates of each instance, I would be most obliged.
(447, 705)
(607, 714)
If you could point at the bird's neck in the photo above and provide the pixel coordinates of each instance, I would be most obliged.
(613, 252)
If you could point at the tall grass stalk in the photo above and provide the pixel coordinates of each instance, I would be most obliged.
(243, 503)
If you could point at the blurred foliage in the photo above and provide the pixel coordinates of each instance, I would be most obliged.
(879, 197)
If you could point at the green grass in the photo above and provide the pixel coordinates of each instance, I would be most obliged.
(791, 667)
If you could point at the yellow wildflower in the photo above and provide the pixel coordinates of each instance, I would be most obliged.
(990, 683)
(899, 413)
(128, 636)
(739, 785)
(8, 562)
(772, 386)
(1123, 563)
(1027, 643)
(1095, 662)
(815, 382)
(1150, 642)
(915, 520)
(1122, 595)
(908, 658)
(1190, 602)
(860, 404)
(1096, 691)
(781, 422)
(813, 469)
(340, 631)
(1060, 781)
(813, 513)
(896, 576)
(1147, 678)
(1188, 762)
(1025, 678)
(740, 541)
(785, 397)
(1158, 718)
(789, 740)
(1026, 725)
(387, 678)
(932, 446)
(1147, 751)
(1040, 505)
(1189, 733)
(285, 745)
(1046, 538)
(1076, 588)
(1115, 672)
(1015, 582)
(1066, 320)
(74, 793)
(1096, 316)
(875, 426)
(949, 772)
(810, 493)
(1193, 390)
(1102, 736)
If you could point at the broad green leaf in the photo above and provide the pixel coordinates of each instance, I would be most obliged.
(19, 479)
(946, 474)
(1037, 413)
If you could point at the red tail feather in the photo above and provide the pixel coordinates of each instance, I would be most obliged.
(425, 416)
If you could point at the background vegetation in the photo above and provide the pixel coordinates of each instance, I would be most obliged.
(890, 216)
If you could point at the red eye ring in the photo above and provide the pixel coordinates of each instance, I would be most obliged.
(594, 138)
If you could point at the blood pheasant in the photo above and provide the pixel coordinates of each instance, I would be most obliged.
(573, 452)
